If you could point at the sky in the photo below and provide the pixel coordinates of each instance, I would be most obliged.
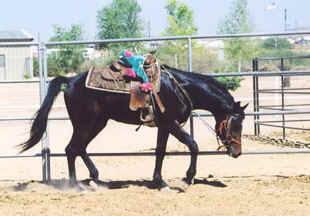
(38, 17)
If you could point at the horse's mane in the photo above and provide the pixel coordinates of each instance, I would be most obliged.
(222, 91)
(204, 77)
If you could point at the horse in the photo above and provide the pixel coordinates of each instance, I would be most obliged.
(181, 92)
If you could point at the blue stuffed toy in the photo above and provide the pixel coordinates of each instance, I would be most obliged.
(137, 68)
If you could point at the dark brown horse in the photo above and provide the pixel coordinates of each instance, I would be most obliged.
(181, 92)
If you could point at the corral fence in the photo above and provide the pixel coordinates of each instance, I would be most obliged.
(42, 48)
(283, 91)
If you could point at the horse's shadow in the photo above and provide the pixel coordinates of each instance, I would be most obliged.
(63, 184)
(120, 184)
(215, 183)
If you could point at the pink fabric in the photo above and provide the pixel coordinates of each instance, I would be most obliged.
(130, 72)
(128, 54)
(146, 86)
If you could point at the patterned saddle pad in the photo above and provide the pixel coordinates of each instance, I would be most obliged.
(106, 79)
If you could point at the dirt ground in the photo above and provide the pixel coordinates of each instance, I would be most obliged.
(249, 185)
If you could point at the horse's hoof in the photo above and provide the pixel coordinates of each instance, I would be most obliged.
(165, 189)
(188, 181)
(183, 186)
(160, 185)
(72, 184)
(93, 185)
(80, 188)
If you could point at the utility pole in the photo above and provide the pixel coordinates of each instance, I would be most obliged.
(149, 28)
(285, 19)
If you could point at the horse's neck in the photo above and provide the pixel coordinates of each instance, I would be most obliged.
(205, 99)
(205, 94)
(198, 97)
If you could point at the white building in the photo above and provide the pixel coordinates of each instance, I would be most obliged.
(16, 62)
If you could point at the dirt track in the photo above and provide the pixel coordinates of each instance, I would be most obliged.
(249, 185)
(215, 196)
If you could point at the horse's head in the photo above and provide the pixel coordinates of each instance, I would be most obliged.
(230, 129)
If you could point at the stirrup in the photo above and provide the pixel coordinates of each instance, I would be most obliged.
(149, 116)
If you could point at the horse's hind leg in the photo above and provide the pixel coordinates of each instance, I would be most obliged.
(71, 154)
(93, 172)
(88, 119)
(81, 137)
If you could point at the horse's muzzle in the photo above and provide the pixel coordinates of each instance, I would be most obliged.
(230, 152)
(235, 155)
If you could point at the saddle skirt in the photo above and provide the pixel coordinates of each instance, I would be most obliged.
(112, 78)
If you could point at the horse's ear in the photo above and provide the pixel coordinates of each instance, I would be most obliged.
(245, 106)
(237, 105)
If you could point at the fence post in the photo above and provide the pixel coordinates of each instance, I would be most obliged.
(189, 65)
(255, 97)
(282, 99)
(42, 59)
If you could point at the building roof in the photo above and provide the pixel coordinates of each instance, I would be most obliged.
(15, 36)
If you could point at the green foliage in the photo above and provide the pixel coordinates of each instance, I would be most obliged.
(237, 21)
(180, 19)
(231, 83)
(35, 66)
(282, 51)
(118, 20)
(275, 53)
(66, 58)
(73, 33)
(278, 43)
(302, 62)
(237, 51)
(27, 76)
(180, 22)
(204, 61)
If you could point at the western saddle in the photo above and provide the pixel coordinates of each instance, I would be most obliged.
(113, 78)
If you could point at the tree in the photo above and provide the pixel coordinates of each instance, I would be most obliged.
(180, 23)
(237, 21)
(180, 19)
(67, 58)
(118, 20)
(236, 51)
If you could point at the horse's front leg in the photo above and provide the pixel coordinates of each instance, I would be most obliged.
(177, 131)
(162, 138)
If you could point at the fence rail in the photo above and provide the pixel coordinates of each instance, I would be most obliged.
(144, 154)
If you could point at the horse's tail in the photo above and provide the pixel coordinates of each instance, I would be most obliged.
(40, 121)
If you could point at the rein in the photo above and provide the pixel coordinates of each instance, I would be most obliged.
(182, 90)
(224, 124)
(211, 129)
(180, 87)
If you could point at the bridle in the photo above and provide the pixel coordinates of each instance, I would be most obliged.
(223, 132)
(224, 126)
